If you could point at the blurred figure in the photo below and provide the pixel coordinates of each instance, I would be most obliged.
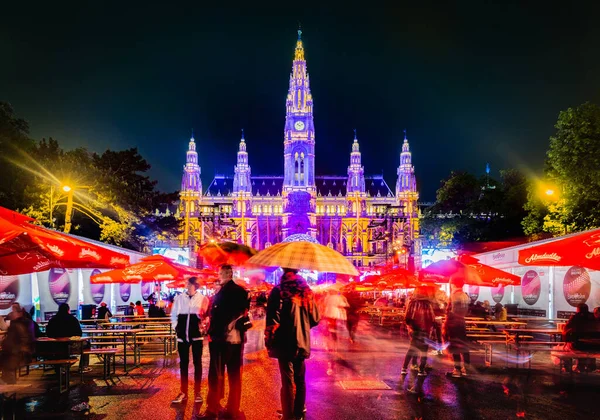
(15, 312)
(597, 313)
(440, 302)
(130, 310)
(487, 307)
(419, 319)
(64, 325)
(155, 311)
(501, 313)
(157, 296)
(139, 309)
(17, 346)
(582, 325)
(334, 311)
(455, 331)
(352, 316)
(104, 313)
(291, 313)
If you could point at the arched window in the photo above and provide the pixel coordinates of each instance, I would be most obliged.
(302, 168)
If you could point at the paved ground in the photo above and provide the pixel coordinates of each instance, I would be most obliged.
(494, 393)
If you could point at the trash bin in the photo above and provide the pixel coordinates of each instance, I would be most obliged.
(512, 308)
(87, 311)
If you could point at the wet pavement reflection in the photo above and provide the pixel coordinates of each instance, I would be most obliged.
(345, 380)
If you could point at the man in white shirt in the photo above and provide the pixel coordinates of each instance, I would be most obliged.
(189, 320)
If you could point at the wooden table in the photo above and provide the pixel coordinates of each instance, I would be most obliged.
(124, 333)
(495, 323)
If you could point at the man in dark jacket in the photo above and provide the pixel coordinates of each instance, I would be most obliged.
(63, 325)
(17, 346)
(229, 304)
(291, 313)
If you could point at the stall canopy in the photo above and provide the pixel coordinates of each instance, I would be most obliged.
(467, 270)
(28, 248)
(581, 249)
(155, 268)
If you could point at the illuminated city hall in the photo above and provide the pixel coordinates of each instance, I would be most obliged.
(358, 215)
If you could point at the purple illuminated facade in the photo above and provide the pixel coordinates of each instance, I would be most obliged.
(358, 215)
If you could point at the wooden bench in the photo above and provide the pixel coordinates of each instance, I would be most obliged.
(488, 349)
(563, 355)
(530, 347)
(106, 356)
(63, 366)
(168, 340)
(9, 393)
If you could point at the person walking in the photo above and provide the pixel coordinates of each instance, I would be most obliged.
(419, 319)
(229, 307)
(17, 346)
(291, 313)
(189, 320)
(455, 331)
(352, 316)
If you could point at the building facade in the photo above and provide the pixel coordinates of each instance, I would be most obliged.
(358, 215)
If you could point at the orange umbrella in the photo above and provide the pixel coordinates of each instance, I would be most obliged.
(27, 248)
(153, 268)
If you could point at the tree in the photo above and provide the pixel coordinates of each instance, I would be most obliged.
(572, 163)
(15, 144)
(457, 193)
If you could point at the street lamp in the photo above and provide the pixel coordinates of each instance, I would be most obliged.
(69, 211)
(549, 192)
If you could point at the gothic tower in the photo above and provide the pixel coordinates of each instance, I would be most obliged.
(406, 185)
(191, 186)
(356, 172)
(299, 132)
(241, 177)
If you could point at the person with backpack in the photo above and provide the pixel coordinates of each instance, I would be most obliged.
(291, 313)
(419, 319)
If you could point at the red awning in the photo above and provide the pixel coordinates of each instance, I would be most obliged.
(467, 271)
(582, 249)
(154, 268)
(27, 248)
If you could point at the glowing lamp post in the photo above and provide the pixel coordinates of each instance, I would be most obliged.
(69, 211)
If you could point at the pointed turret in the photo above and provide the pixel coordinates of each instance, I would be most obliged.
(406, 185)
(356, 172)
(241, 179)
(191, 170)
(299, 132)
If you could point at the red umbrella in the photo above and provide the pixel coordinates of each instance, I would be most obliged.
(582, 249)
(27, 248)
(467, 271)
(154, 268)
(219, 253)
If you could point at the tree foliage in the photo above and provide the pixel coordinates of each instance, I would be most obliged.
(470, 209)
(114, 198)
(572, 163)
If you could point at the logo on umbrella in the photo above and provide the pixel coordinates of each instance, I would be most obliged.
(543, 257)
(86, 252)
(595, 252)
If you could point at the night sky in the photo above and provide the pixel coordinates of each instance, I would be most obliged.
(475, 83)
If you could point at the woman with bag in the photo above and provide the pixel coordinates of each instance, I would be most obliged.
(188, 318)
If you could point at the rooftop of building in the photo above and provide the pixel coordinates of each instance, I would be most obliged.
(327, 185)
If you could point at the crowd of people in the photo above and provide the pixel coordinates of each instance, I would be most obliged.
(433, 319)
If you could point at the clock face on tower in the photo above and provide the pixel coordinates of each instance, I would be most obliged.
(299, 125)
